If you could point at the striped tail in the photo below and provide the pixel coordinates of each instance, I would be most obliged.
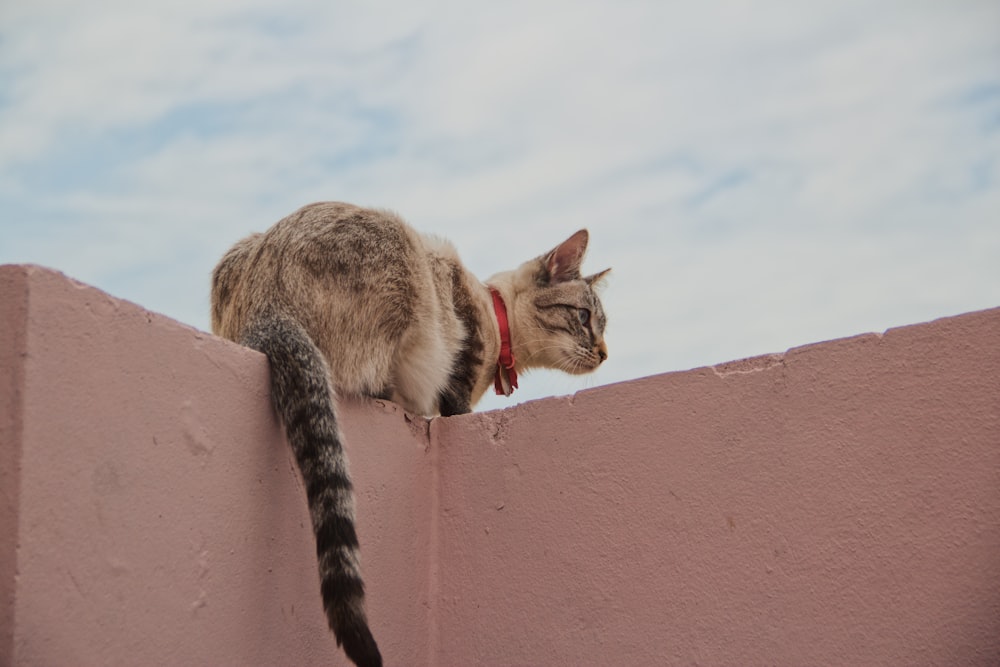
(303, 397)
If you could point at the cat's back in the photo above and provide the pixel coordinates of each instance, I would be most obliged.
(326, 261)
(334, 236)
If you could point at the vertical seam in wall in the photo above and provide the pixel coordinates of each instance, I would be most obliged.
(434, 546)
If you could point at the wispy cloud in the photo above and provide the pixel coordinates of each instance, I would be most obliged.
(760, 174)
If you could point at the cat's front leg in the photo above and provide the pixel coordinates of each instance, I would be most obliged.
(453, 403)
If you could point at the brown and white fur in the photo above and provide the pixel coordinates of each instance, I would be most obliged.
(352, 301)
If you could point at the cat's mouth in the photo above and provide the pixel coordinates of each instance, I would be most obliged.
(587, 361)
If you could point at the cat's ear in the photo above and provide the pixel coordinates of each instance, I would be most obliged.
(563, 263)
(598, 278)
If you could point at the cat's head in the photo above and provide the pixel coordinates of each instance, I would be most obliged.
(558, 317)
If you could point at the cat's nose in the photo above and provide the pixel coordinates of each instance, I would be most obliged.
(602, 350)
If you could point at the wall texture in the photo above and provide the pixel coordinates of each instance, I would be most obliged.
(838, 504)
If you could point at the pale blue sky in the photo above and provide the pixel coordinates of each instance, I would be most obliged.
(760, 175)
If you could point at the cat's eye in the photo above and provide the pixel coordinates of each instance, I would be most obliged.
(584, 316)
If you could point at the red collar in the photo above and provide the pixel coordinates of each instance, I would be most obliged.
(505, 381)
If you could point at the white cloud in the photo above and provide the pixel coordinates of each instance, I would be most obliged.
(760, 175)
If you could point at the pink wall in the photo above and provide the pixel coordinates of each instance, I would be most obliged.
(838, 504)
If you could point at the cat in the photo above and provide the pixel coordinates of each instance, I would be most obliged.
(346, 300)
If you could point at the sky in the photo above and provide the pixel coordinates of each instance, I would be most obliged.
(759, 175)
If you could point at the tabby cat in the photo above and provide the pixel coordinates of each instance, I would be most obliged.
(353, 301)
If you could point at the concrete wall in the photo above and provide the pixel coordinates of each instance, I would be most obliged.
(838, 504)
